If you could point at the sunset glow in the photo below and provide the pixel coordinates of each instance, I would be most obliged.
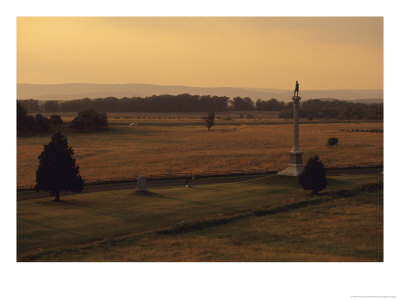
(270, 52)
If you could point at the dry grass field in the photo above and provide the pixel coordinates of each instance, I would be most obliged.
(264, 218)
(169, 145)
(182, 117)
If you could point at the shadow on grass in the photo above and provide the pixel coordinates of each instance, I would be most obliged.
(368, 187)
(184, 227)
(333, 182)
(145, 194)
(274, 179)
(62, 202)
(198, 202)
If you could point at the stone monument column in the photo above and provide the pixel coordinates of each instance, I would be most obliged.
(295, 166)
(296, 101)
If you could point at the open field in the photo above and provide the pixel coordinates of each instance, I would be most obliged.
(148, 118)
(266, 218)
(160, 146)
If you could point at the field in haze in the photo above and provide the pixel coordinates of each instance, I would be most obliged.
(168, 143)
(263, 218)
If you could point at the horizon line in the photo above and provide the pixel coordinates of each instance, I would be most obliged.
(188, 86)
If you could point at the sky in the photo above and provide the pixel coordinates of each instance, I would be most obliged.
(254, 52)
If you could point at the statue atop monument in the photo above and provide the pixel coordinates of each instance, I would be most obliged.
(296, 90)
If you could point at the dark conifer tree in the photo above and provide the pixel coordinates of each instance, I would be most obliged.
(57, 169)
(313, 176)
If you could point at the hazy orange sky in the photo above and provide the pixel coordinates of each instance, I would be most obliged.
(268, 52)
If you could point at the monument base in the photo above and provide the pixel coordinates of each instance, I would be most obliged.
(295, 166)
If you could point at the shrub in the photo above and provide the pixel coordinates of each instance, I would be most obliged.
(333, 141)
(313, 176)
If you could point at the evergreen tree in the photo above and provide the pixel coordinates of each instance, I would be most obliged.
(313, 176)
(57, 169)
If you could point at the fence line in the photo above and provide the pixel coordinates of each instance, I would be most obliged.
(205, 173)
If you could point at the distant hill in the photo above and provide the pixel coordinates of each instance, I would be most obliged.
(70, 91)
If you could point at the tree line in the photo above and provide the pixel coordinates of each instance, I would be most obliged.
(27, 124)
(312, 108)
(161, 103)
(87, 119)
(336, 109)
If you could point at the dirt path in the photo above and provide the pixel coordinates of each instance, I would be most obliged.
(27, 195)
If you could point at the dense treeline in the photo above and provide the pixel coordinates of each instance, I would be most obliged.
(87, 119)
(28, 124)
(313, 108)
(161, 103)
(343, 110)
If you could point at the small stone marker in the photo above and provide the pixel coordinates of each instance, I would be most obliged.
(141, 184)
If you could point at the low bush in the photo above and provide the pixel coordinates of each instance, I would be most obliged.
(333, 141)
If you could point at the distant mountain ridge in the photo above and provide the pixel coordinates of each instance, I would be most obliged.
(71, 91)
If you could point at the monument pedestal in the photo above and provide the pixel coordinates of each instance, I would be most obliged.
(295, 166)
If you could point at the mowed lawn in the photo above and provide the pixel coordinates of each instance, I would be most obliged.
(159, 149)
(267, 218)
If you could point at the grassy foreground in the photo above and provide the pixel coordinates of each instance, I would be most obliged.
(269, 218)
